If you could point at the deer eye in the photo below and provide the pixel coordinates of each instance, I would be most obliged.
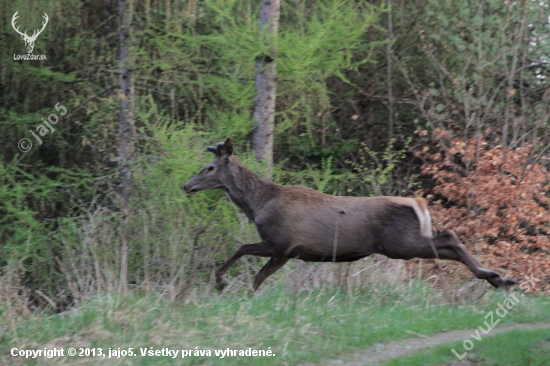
(210, 168)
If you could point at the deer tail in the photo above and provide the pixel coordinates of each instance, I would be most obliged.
(424, 217)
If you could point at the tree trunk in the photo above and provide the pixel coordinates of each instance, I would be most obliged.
(266, 86)
(389, 72)
(125, 127)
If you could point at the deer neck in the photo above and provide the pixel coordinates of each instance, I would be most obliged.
(249, 192)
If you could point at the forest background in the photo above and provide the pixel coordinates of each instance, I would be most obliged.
(448, 100)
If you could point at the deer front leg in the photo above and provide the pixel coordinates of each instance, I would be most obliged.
(261, 249)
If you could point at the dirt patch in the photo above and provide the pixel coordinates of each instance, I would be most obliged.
(380, 353)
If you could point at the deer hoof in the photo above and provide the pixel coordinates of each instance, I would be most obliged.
(502, 282)
(509, 281)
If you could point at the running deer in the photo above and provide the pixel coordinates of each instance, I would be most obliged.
(299, 222)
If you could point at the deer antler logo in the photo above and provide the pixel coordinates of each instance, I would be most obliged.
(29, 40)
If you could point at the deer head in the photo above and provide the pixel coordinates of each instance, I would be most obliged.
(214, 175)
(29, 40)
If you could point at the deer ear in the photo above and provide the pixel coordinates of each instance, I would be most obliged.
(228, 145)
(225, 149)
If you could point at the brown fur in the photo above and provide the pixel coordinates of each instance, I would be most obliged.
(299, 222)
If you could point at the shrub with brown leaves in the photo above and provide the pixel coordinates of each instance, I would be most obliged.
(496, 201)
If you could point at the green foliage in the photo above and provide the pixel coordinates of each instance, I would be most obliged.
(379, 172)
(26, 220)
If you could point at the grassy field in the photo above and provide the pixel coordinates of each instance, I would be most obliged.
(514, 348)
(297, 326)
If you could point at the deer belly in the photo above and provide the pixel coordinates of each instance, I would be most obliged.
(308, 255)
(343, 247)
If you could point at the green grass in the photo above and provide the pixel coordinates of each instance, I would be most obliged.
(299, 327)
(514, 348)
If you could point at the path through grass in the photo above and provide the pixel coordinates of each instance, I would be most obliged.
(513, 348)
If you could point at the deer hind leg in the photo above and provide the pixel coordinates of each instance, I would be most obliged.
(449, 247)
(267, 270)
(261, 249)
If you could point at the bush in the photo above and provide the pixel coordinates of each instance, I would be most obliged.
(497, 200)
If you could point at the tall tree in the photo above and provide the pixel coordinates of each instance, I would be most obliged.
(389, 71)
(125, 128)
(266, 85)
